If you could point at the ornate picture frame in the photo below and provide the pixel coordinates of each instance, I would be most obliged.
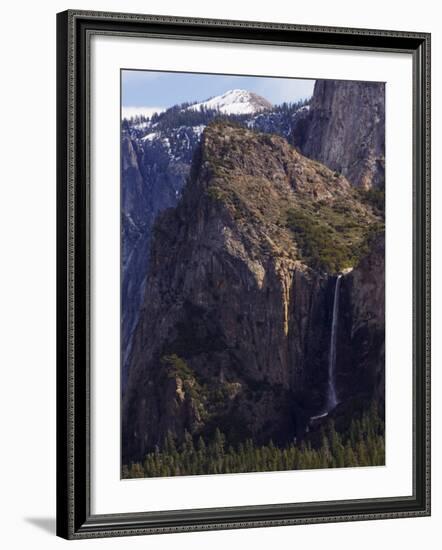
(76, 518)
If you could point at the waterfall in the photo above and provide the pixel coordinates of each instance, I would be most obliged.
(332, 399)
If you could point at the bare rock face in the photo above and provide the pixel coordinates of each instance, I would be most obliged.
(361, 341)
(151, 183)
(345, 129)
(234, 330)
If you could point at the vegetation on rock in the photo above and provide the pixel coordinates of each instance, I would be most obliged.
(331, 238)
(301, 206)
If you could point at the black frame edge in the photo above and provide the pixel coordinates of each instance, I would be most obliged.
(421, 269)
(62, 286)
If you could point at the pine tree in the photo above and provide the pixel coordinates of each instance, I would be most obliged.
(219, 442)
(136, 470)
(350, 459)
(337, 448)
(362, 454)
(169, 443)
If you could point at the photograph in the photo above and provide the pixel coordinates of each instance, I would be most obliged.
(252, 273)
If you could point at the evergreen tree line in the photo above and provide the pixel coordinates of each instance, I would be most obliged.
(363, 444)
(180, 115)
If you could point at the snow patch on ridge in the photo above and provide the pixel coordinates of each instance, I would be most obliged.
(234, 102)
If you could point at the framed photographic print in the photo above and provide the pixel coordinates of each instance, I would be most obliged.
(243, 274)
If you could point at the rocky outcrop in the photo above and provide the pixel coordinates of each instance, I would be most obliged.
(155, 158)
(235, 323)
(134, 246)
(344, 128)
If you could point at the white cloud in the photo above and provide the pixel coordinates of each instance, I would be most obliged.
(129, 112)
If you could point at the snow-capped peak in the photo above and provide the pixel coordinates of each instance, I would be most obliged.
(235, 102)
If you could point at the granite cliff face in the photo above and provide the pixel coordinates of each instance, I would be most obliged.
(345, 129)
(156, 155)
(152, 182)
(235, 326)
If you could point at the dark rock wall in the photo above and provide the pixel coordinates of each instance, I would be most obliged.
(345, 129)
(361, 337)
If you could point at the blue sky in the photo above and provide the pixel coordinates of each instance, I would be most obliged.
(152, 89)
